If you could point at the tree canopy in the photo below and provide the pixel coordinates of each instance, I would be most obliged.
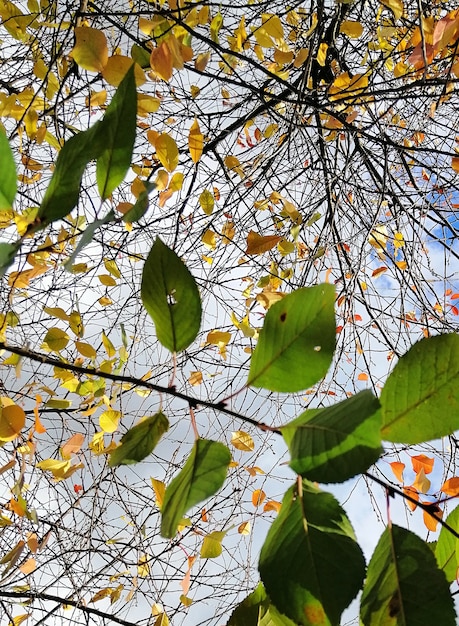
(229, 279)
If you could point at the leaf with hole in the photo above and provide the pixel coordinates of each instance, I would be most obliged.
(171, 297)
(297, 341)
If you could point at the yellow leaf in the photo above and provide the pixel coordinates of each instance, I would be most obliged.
(346, 87)
(85, 349)
(112, 268)
(396, 6)
(57, 312)
(12, 419)
(242, 441)
(103, 593)
(207, 201)
(167, 152)
(272, 25)
(209, 239)
(258, 496)
(378, 237)
(90, 50)
(195, 378)
(216, 337)
(455, 164)
(212, 545)
(107, 280)
(399, 240)
(76, 323)
(143, 569)
(56, 339)
(59, 469)
(322, 54)
(195, 142)
(19, 619)
(147, 104)
(109, 347)
(421, 483)
(185, 601)
(201, 61)
(352, 29)
(257, 244)
(116, 68)
(160, 489)
(244, 528)
(109, 420)
(253, 471)
(161, 61)
(96, 98)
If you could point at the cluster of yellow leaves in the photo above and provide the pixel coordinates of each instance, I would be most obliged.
(62, 469)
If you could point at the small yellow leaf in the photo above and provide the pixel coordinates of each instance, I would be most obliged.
(160, 489)
(85, 349)
(19, 619)
(195, 142)
(201, 61)
(56, 339)
(107, 280)
(147, 104)
(167, 152)
(352, 29)
(207, 201)
(396, 6)
(244, 528)
(109, 347)
(12, 420)
(421, 483)
(109, 420)
(90, 50)
(195, 378)
(242, 441)
(212, 545)
(143, 568)
(103, 593)
(185, 601)
(216, 337)
(258, 496)
(253, 471)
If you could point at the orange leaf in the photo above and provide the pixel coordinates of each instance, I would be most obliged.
(29, 566)
(421, 461)
(257, 497)
(161, 61)
(362, 376)
(257, 244)
(455, 164)
(451, 487)
(379, 270)
(195, 142)
(72, 446)
(430, 522)
(398, 468)
(410, 491)
(272, 505)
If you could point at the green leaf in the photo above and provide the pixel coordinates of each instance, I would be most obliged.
(139, 209)
(63, 190)
(140, 440)
(297, 341)
(202, 475)
(333, 444)
(118, 132)
(212, 545)
(7, 253)
(404, 585)
(256, 610)
(87, 237)
(171, 298)
(140, 56)
(311, 565)
(420, 400)
(447, 547)
(8, 179)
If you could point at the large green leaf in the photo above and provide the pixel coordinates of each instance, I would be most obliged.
(63, 190)
(118, 129)
(171, 297)
(140, 440)
(257, 610)
(297, 341)
(447, 547)
(404, 586)
(311, 565)
(8, 178)
(420, 400)
(202, 475)
(333, 444)
(7, 253)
